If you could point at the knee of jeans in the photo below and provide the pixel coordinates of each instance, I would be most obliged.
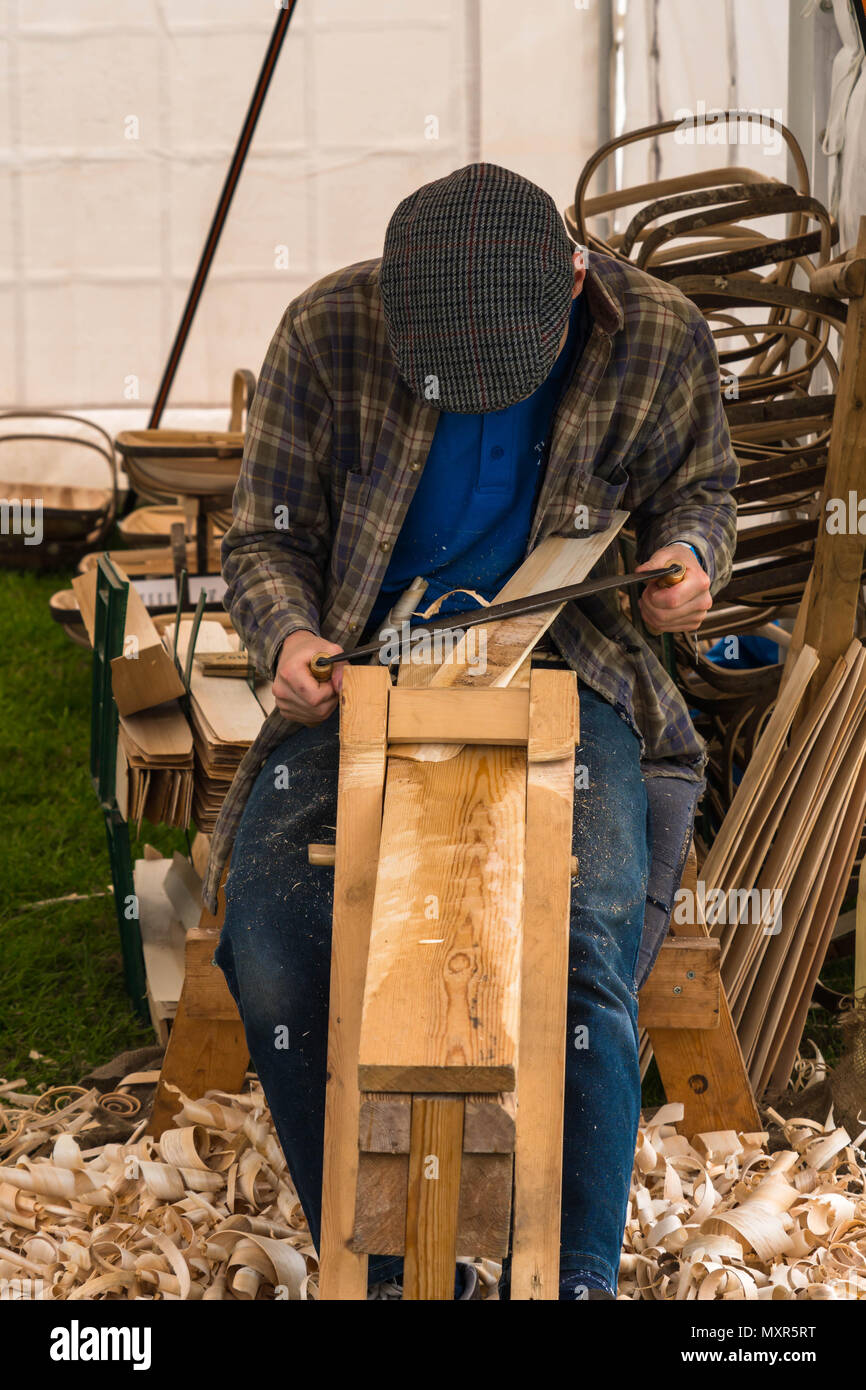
(222, 959)
(264, 993)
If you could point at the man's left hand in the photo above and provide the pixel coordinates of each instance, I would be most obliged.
(680, 607)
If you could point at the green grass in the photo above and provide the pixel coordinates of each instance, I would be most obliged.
(61, 982)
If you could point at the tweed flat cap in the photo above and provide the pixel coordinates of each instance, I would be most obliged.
(476, 283)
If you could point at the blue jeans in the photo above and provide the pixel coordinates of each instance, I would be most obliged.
(275, 953)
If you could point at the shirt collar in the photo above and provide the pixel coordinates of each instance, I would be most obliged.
(606, 309)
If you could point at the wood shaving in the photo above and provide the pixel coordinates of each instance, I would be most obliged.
(721, 1218)
(209, 1211)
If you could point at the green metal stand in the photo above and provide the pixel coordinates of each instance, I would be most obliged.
(109, 625)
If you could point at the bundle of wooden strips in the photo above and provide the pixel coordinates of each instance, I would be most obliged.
(155, 766)
(720, 1218)
(775, 876)
(226, 716)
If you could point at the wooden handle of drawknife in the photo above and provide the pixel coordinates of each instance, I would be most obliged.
(322, 667)
(668, 580)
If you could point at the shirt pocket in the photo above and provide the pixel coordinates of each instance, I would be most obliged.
(354, 504)
(587, 503)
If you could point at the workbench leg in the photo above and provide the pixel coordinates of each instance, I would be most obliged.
(363, 747)
(704, 1067)
(207, 1048)
(435, 1157)
(544, 985)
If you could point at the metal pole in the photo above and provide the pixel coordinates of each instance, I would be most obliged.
(222, 207)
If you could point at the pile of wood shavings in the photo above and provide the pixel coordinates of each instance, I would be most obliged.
(206, 1212)
(209, 1211)
(721, 1218)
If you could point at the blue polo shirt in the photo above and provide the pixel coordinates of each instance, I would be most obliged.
(468, 523)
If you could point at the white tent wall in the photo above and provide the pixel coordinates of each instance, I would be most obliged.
(680, 56)
(119, 125)
(844, 140)
(540, 88)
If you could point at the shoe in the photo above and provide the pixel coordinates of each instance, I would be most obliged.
(388, 1291)
(467, 1286)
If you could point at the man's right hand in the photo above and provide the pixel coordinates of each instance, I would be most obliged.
(298, 695)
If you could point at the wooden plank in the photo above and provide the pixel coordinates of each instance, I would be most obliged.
(743, 949)
(760, 766)
(489, 1124)
(771, 996)
(435, 1156)
(162, 734)
(483, 1215)
(384, 1124)
(767, 809)
(206, 994)
(441, 1000)
(459, 716)
(363, 731)
(484, 1210)
(557, 561)
(144, 674)
(183, 890)
(683, 987)
(323, 856)
(232, 712)
(831, 614)
(543, 1013)
(379, 1226)
(200, 1056)
(162, 935)
(860, 935)
(821, 922)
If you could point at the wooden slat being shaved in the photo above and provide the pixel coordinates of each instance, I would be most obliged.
(543, 1014)
(435, 1155)
(557, 561)
(363, 729)
(443, 975)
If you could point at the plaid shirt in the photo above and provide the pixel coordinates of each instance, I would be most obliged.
(336, 443)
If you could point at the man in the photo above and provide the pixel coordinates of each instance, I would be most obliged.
(438, 413)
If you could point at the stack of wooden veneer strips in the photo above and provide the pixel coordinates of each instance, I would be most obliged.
(226, 716)
(154, 778)
(155, 766)
(772, 885)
